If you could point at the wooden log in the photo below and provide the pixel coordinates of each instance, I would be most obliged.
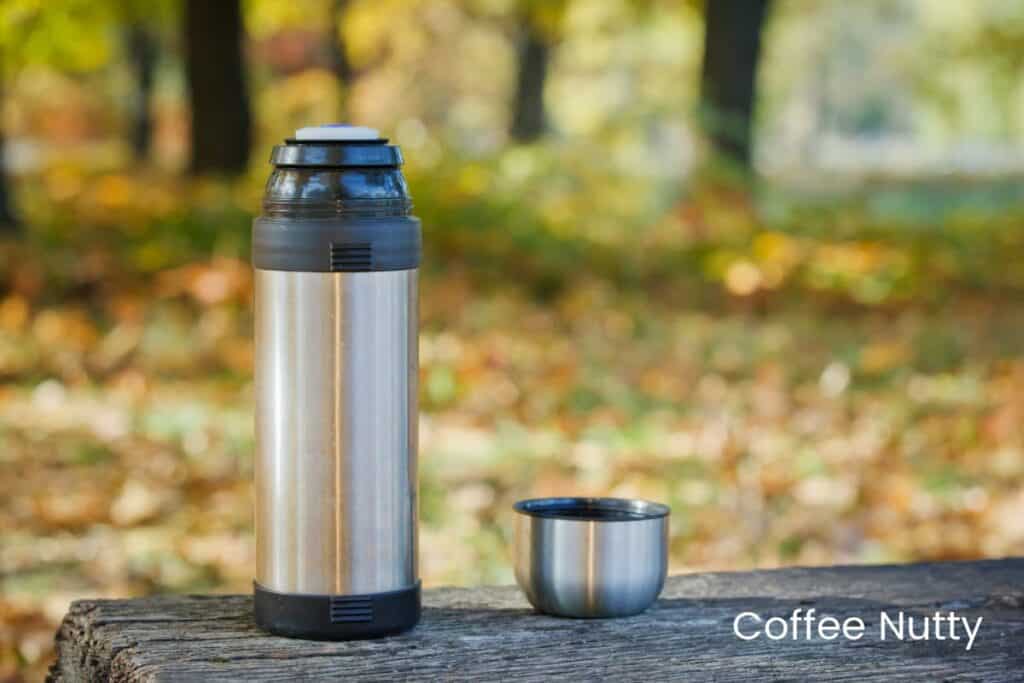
(492, 634)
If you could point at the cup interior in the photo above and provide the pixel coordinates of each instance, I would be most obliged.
(592, 509)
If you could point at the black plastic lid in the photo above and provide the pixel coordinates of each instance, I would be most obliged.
(336, 153)
(336, 204)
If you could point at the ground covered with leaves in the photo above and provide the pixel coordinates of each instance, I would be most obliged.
(809, 386)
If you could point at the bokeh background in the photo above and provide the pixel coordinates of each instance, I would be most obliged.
(763, 261)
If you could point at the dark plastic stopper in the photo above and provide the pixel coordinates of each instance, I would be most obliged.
(336, 206)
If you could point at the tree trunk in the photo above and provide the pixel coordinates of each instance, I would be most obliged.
(8, 216)
(338, 55)
(142, 53)
(221, 120)
(732, 47)
(528, 117)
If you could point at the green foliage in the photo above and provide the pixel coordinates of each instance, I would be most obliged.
(76, 35)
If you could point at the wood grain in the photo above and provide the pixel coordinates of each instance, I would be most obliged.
(491, 634)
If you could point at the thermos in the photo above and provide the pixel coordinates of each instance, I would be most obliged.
(336, 254)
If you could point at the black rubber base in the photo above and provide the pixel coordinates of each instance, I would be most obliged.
(337, 617)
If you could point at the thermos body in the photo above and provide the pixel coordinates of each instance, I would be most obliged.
(336, 397)
(336, 255)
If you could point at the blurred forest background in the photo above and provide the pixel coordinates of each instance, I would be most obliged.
(761, 260)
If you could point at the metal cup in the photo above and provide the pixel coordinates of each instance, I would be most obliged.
(591, 557)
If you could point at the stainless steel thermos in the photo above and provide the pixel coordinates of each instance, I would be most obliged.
(336, 254)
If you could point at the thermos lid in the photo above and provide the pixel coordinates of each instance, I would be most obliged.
(336, 145)
(336, 201)
(337, 132)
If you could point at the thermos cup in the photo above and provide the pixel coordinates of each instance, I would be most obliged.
(336, 254)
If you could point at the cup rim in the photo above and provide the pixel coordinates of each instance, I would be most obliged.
(588, 509)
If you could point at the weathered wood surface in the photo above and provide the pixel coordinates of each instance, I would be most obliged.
(491, 634)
